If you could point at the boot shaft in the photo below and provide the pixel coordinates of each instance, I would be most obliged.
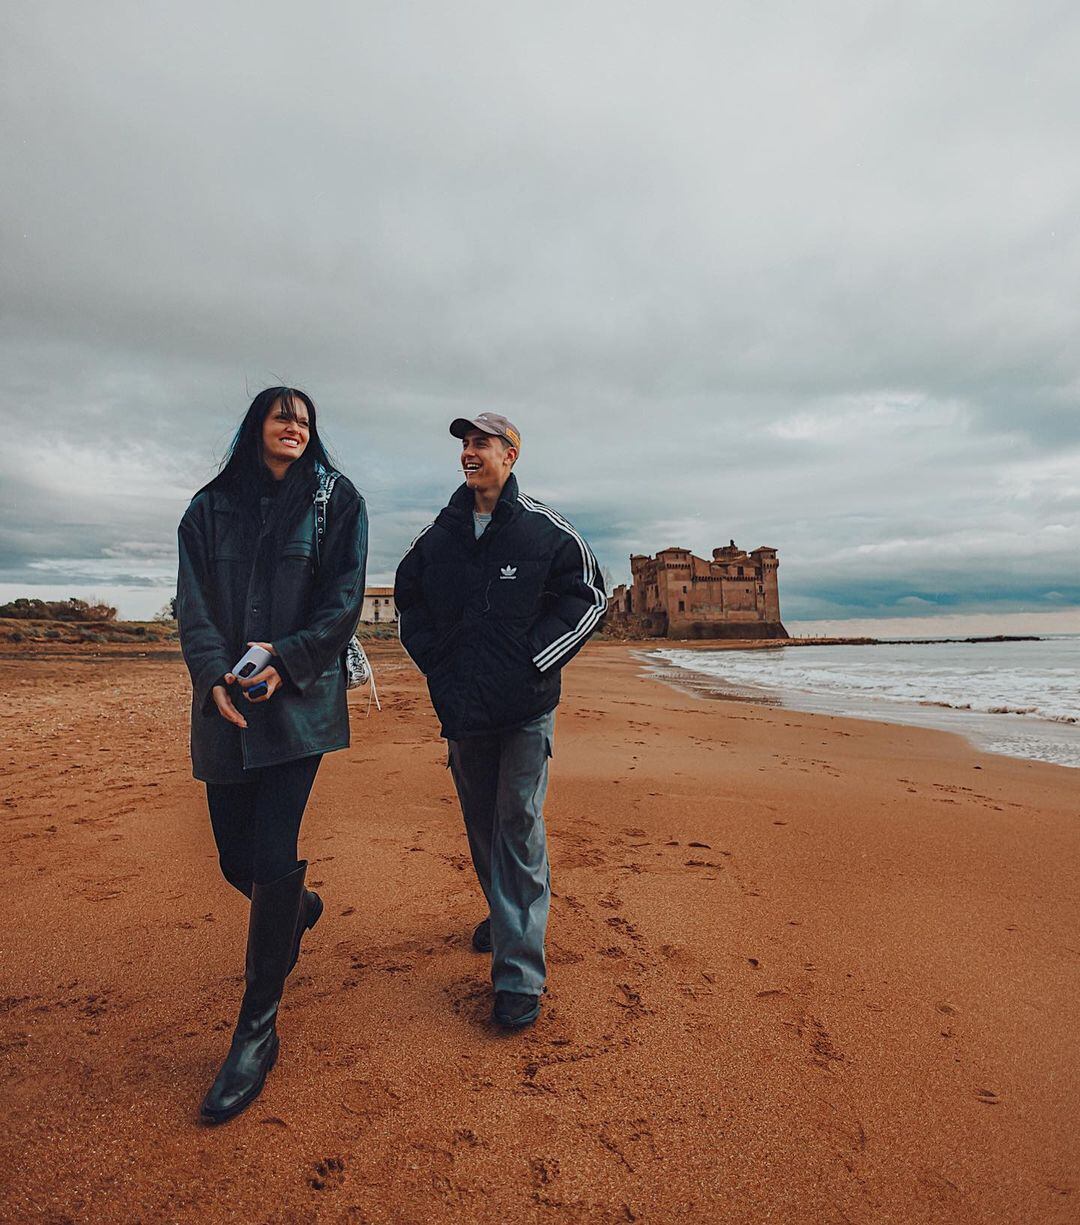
(275, 912)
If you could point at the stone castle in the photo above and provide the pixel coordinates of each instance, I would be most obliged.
(678, 595)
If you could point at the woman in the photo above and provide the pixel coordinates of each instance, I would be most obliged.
(254, 572)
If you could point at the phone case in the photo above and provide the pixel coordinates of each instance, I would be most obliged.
(252, 661)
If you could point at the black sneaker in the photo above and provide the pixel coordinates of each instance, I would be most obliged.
(481, 938)
(515, 1009)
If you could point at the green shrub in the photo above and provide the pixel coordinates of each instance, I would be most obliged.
(57, 610)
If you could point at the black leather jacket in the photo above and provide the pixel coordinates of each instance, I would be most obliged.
(306, 601)
(492, 622)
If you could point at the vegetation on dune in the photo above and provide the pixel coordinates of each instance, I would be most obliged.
(24, 609)
(32, 621)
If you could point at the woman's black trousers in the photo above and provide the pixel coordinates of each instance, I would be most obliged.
(257, 822)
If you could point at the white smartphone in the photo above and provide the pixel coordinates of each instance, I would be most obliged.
(253, 661)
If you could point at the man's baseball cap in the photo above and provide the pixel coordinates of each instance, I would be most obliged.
(488, 423)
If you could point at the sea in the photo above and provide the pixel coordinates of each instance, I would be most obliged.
(1017, 698)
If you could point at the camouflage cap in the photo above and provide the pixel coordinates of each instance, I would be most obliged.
(488, 423)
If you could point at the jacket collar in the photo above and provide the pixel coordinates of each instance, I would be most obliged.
(457, 515)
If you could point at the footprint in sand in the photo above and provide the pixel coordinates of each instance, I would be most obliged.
(582, 858)
(822, 1047)
(630, 1000)
(625, 927)
(367, 1098)
(470, 997)
(328, 1174)
(466, 1136)
(558, 955)
(544, 1170)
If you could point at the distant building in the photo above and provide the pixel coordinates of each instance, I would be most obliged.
(378, 606)
(678, 595)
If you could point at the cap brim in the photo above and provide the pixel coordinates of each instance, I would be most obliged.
(462, 425)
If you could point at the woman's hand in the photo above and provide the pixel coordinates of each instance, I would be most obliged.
(224, 703)
(270, 675)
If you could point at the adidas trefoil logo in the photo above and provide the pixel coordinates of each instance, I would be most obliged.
(508, 572)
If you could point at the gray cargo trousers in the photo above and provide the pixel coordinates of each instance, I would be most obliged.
(501, 781)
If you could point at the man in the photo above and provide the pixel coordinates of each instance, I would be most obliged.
(494, 598)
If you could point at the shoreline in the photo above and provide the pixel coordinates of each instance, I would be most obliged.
(800, 968)
(776, 644)
(982, 728)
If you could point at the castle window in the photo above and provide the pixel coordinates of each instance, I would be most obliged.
(682, 606)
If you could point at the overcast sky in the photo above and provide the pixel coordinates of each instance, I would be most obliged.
(802, 275)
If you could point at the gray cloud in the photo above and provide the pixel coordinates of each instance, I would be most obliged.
(804, 277)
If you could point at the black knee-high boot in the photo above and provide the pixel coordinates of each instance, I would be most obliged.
(310, 910)
(274, 921)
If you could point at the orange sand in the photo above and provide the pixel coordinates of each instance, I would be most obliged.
(801, 969)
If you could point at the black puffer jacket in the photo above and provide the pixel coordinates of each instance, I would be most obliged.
(231, 592)
(491, 622)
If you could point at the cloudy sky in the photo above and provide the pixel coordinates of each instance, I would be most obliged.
(802, 275)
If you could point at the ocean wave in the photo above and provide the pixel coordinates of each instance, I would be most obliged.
(1036, 711)
(932, 677)
(1037, 684)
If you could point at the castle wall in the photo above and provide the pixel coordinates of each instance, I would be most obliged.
(678, 595)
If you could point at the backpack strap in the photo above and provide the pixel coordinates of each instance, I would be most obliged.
(327, 480)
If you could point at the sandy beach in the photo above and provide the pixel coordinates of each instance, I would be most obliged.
(802, 968)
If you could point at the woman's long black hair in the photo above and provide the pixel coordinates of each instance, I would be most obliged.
(244, 473)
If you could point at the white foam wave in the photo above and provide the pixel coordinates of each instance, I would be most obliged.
(1032, 684)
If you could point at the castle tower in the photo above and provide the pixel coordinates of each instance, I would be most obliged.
(767, 559)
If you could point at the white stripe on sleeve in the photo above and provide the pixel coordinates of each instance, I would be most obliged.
(554, 651)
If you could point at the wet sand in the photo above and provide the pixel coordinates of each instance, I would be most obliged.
(802, 969)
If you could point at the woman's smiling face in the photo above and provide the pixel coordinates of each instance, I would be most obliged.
(286, 431)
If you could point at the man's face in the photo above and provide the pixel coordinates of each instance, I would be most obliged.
(486, 460)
